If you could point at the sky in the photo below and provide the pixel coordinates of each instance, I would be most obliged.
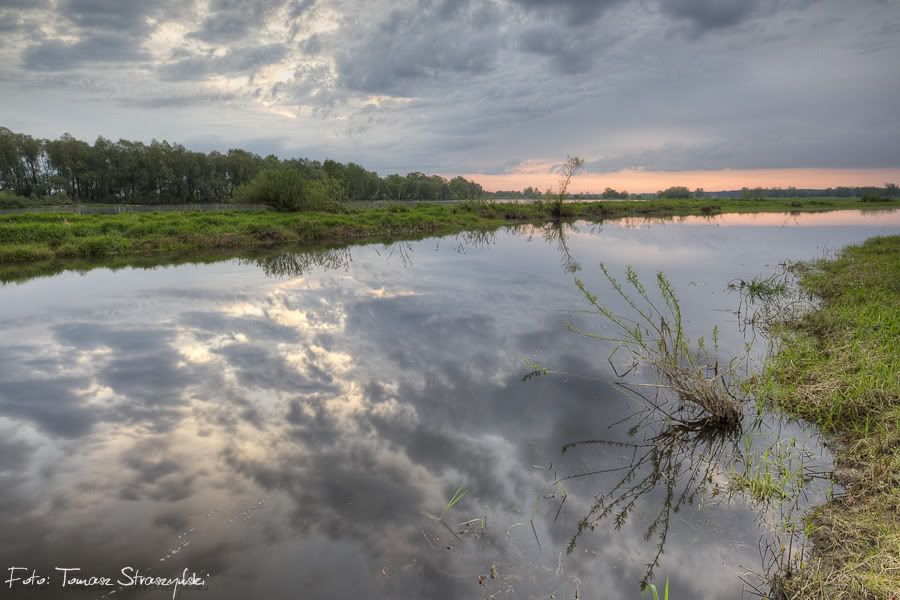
(706, 93)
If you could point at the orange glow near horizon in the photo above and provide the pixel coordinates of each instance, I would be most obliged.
(836, 218)
(641, 182)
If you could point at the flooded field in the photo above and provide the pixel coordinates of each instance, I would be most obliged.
(354, 423)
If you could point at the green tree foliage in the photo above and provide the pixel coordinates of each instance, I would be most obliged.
(164, 173)
(286, 189)
(611, 194)
(463, 189)
(676, 191)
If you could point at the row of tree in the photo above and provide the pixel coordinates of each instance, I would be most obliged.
(889, 190)
(532, 193)
(164, 173)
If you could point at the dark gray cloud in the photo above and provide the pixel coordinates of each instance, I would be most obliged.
(704, 15)
(9, 22)
(568, 53)
(52, 405)
(18, 21)
(154, 472)
(14, 454)
(180, 100)
(230, 21)
(417, 44)
(575, 12)
(57, 55)
(24, 4)
(111, 15)
(234, 61)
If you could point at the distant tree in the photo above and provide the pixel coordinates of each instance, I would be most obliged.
(757, 193)
(463, 189)
(532, 193)
(610, 193)
(674, 192)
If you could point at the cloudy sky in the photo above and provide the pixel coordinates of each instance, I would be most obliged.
(715, 93)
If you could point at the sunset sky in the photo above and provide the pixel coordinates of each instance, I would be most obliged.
(717, 94)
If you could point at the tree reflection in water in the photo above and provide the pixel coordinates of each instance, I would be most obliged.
(680, 457)
(295, 264)
(556, 232)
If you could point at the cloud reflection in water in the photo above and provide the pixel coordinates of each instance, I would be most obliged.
(284, 425)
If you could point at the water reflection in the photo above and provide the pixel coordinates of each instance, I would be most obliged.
(294, 264)
(286, 434)
(556, 234)
(684, 459)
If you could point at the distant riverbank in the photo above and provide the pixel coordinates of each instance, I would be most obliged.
(34, 237)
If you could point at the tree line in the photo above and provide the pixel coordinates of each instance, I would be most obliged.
(680, 192)
(533, 193)
(163, 173)
(129, 172)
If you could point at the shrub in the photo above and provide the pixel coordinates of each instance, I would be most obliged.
(875, 197)
(287, 190)
(675, 192)
(10, 200)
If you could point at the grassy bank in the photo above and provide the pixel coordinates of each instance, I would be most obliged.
(28, 238)
(8, 200)
(838, 366)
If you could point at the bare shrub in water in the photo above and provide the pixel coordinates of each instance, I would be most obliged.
(654, 336)
(568, 170)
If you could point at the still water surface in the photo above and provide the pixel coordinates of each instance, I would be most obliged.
(286, 426)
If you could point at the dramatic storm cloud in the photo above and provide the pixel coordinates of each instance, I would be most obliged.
(469, 86)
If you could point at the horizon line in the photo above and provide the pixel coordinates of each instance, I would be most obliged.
(638, 181)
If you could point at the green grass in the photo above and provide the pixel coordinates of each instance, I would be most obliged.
(838, 366)
(30, 237)
(10, 200)
(73, 235)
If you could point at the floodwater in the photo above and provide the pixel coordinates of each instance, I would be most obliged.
(296, 426)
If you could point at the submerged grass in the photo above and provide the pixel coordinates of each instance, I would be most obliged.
(838, 366)
(776, 473)
(655, 592)
(33, 237)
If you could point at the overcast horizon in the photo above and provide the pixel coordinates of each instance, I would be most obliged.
(712, 93)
